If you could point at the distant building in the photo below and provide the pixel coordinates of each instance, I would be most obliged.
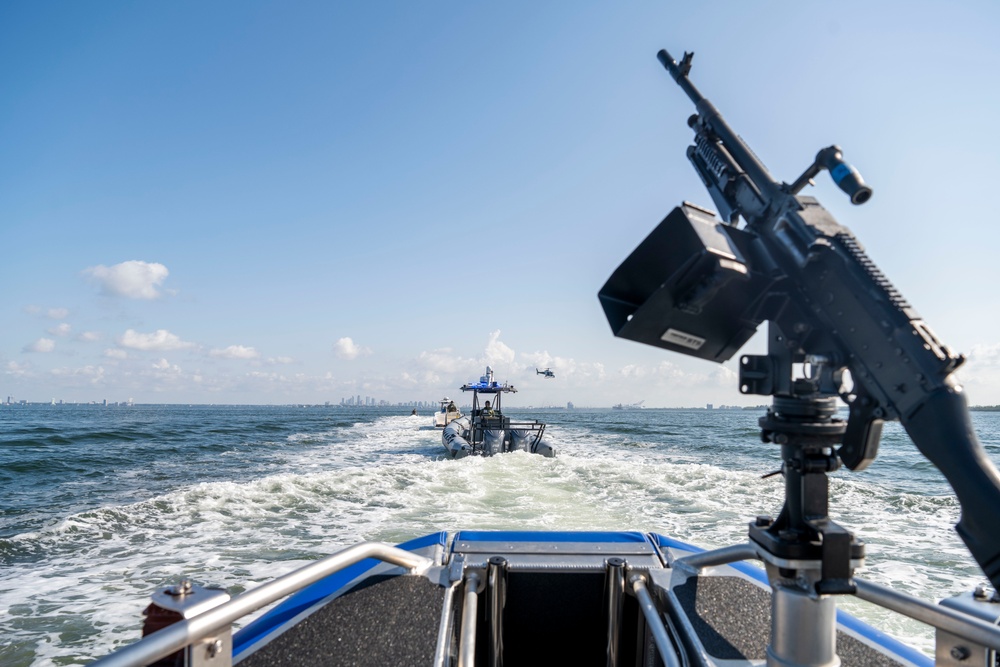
(709, 406)
(569, 405)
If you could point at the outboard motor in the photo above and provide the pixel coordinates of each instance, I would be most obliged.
(518, 440)
(493, 441)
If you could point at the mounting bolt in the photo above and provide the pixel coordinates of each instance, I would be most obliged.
(214, 648)
(181, 589)
(959, 653)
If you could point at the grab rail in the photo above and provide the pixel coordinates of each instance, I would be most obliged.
(467, 641)
(653, 621)
(956, 622)
(183, 633)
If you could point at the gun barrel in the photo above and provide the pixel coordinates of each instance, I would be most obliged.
(712, 119)
(679, 73)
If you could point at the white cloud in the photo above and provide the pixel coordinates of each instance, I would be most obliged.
(132, 279)
(497, 352)
(347, 349)
(94, 374)
(669, 374)
(273, 361)
(61, 329)
(89, 336)
(164, 370)
(985, 354)
(41, 345)
(235, 352)
(16, 369)
(160, 340)
(115, 353)
(443, 360)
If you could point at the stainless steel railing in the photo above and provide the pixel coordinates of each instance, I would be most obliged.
(183, 633)
(960, 624)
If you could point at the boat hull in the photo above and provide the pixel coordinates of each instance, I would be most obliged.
(453, 437)
(458, 441)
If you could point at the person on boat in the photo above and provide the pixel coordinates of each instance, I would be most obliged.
(487, 412)
(452, 407)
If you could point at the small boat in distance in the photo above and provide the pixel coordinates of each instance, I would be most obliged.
(630, 406)
(486, 431)
(448, 413)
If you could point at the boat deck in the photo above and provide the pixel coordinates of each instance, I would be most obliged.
(385, 620)
(554, 597)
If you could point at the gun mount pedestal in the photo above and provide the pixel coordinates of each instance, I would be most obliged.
(808, 557)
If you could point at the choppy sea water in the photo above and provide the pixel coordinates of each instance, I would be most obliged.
(100, 505)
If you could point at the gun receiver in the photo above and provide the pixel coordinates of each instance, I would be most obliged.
(702, 287)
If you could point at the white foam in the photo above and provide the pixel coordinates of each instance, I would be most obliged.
(389, 481)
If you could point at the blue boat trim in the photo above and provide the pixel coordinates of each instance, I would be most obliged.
(312, 594)
(551, 536)
(852, 623)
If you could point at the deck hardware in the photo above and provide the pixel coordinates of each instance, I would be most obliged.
(798, 612)
(956, 621)
(470, 609)
(184, 600)
(496, 576)
(614, 596)
(951, 649)
(654, 621)
(722, 556)
(207, 623)
(959, 653)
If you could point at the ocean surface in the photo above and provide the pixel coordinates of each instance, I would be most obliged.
(100, 505)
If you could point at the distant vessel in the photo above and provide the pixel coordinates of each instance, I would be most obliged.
(448, 413)
(487, 431)
(630, 406)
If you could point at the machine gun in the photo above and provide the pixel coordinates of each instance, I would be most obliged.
(702, 287)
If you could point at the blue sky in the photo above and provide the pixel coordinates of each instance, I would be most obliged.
(262, 202)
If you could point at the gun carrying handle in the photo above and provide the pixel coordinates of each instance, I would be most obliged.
(942, 430)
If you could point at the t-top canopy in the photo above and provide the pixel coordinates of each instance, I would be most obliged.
(487, 385)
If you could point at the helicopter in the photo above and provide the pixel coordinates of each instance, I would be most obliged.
(547, 373)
